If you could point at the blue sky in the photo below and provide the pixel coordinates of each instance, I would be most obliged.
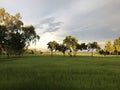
(87, 20)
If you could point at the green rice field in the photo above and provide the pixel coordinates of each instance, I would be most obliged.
(60, 73)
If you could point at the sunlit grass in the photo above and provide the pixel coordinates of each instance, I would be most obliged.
(60, 73)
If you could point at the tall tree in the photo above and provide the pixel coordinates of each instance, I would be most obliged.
(2, 37)
(62, 48)
(82, 46)
(109, 48)
(30, 34)
(117, 45)
(93, 46)
(71, 43)
(2, 34)
(52, 46)
(15, 36)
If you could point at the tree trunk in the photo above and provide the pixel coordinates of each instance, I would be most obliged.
(63, 53)
(92, 52)
(51, 53)
(8, 55)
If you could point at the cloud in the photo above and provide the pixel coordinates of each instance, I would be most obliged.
(88, 20)
(100, 23)
(49, 24)
(96, 21)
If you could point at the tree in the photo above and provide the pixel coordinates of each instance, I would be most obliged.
(17, 43)
(92, 46)
(30, 34)
(2, 35)
(117, 45)
(70, 42)
(101, 51)
(2, 39)
(15, 36)
(109, 48)
(62, 48)
(52, 46)
(81, 46)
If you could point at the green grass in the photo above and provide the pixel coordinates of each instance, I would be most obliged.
(60, 73)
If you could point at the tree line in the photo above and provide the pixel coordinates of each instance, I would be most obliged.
(72, 46)
(111, 48)
(15, 38)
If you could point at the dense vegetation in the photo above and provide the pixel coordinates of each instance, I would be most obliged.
(71, 44)
(14, 36)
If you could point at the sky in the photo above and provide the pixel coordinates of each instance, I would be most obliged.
(87, 20)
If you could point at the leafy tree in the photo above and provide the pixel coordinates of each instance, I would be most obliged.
(52, 46)
(62, 48)
(17, 43)
(92, 46)
(71, 44)
(101, 51)
(81, 46)
(117, 45)
(109, 48)
(30, 34)
(2, 35)
(15, 36)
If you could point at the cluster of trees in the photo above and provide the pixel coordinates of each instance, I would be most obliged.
(14, 36)
(111, 48)
(71, 45)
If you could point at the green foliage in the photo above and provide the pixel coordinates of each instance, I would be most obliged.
(62, 48)
(52, 46)
(109, 48)
(17, 43)
(81, 46)
(71, 44)
(2, 34)
(117, 45)
(92, 46)
(70, 41)
(15, 37)
(30, 34)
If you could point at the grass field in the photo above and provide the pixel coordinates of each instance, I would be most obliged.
(60, 73)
